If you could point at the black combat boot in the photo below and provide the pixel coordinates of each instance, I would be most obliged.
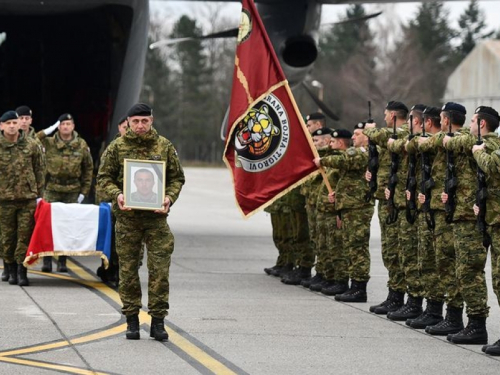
(269, 270)
(158, 329)
(337, 287)
(411, 310)
(61, 264)
(307, 282)
(47, 264)
(318, 285)
(285, 270)
(493, 350)
(384, 303)
(13, 273)
(133, 327)
(395, 303)
(5, 273)
(295, 277)
(432, 315)
(453, 323)
(22, 275)
(357, 293)
(275, 271)
(475, 333)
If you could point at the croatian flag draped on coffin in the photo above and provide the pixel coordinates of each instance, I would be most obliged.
(268, 148)
(70, 229)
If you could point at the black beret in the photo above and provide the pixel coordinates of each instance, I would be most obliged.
(483, 110)
(122, 119)
(65, 117)
(396, 106)
(432, 112)
(342, 133)
(418, 107)
(315, 116)
(140, 109)
(454, 107)
(24, 110)
(360, 125)
(322, 131)
(9, 115)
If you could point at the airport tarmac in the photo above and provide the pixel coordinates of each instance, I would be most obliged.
(226, 315)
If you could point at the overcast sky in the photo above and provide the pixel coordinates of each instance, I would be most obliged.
(173, 9)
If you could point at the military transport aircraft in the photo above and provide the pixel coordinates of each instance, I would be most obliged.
(87, 56)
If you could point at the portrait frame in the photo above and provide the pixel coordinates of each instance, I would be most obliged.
(154, 191)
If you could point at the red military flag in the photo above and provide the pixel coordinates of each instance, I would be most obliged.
(268, 148)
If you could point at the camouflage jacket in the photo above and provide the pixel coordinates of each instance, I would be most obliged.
(413, 148)
(310, 188)
(21, 169)
(489, 162)
(150, 146)
(69, 164)
(296, 200)
(352, 186)
(280, 205)
(333, 174)
(380, 138)
(466, 172)
(398, 147)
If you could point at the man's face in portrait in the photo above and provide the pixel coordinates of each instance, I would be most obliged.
(144, 182)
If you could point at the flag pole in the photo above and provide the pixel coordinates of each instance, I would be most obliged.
(309, 140)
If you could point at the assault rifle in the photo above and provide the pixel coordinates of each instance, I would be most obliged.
(411, 182)
(450, 183)
(426, 186)
(372, 161)
(481, 195)
(393, 181)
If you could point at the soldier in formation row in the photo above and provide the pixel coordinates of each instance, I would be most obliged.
(436, 179)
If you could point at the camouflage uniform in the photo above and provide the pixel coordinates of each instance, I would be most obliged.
(69, 168)
(301, 243)
(469, 250)
(489, 162)
(132, 227)
(354, 211)
(389, 232)
(443, 234)
(407, 232)
(427, 267)
(21, 182)
(310, 190)
(330, 248)
(282, 236)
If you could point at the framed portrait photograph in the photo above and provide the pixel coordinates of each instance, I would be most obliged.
(144, 184)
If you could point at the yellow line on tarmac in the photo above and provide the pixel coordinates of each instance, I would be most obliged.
(50, 366)
(89, 280)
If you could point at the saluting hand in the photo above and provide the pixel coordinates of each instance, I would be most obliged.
(370, 125)
(166, 206)
(478, 147)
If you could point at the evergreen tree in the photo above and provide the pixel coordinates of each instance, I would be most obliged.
(472, 27)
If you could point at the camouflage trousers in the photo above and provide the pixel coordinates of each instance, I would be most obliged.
(495, 259)
(408, 255)
(446, 260)
(301, 247)
(356, 241)
(337, 258)
(55, 196)
(471, 261)
(130, 233)
(390, 250)
(17, 222)
(427, 266)
(321, 242)
(282, 237)
(311, 220)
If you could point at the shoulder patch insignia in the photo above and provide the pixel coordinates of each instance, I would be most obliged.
(351, 152)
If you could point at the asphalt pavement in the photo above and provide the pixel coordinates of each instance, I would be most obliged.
(226, 315)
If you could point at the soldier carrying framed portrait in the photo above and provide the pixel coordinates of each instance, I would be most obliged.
(144, 184)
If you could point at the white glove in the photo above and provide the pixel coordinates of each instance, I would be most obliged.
(81, 197)
(51, 128)
(38, 200)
